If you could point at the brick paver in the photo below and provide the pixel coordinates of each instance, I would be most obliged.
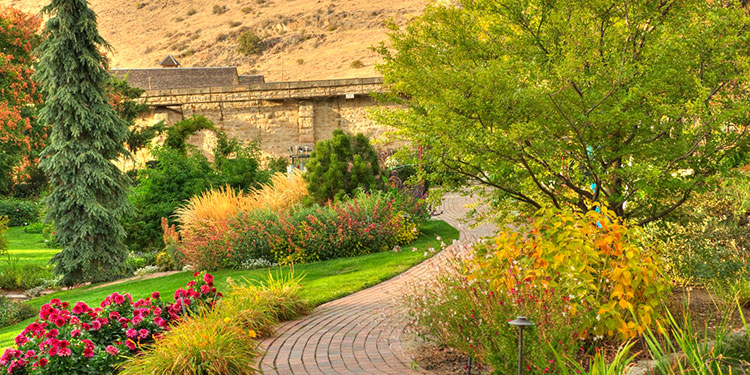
(360, 333)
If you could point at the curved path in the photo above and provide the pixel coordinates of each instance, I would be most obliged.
(360, 333)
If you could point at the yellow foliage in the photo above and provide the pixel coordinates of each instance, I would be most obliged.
(590, 259)
(216, 206)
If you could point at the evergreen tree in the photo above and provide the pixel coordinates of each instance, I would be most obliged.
(89, 194)
(340, 165)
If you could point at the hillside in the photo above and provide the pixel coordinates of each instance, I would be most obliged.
(304, 39)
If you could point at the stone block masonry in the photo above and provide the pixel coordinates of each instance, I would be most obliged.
(278, 114)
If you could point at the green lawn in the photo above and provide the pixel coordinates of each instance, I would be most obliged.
(29, 248)
(323, 281)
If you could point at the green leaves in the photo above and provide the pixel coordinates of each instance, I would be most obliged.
(556, 102)
(340, 165)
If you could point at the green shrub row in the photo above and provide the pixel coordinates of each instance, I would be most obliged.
(19, 211)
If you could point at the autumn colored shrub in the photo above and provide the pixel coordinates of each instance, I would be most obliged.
(80, 339)
(472, 316)
(591, 257)
(577, 276)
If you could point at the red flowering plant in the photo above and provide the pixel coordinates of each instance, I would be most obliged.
(86, 340)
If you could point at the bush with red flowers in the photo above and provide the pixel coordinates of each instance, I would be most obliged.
(85, 340)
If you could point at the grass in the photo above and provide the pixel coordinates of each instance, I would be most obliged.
(322, 282)
(29, 248)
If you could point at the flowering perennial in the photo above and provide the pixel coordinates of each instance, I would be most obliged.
(91, 340)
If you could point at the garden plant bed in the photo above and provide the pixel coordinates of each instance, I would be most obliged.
(707, 312)
(323, 281)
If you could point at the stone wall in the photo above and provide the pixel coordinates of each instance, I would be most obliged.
(278, 114)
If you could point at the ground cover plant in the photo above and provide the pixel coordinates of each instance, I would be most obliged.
(323, 281)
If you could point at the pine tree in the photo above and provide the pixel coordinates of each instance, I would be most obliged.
(341, 165)
(89, 194)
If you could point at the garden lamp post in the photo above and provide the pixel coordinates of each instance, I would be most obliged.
(520, 322)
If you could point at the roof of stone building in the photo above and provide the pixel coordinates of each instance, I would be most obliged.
(251, 79)
(179, 78)
(169, 61)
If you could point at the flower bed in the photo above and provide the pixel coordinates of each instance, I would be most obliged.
(365, 224)
(92, 340)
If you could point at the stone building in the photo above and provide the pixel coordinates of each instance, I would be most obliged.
(282, 116)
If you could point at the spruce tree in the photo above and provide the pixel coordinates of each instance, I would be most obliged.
(89, 194)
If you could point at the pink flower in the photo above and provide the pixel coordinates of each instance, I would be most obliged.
(131, 333)
(111, 350)
(155, 295)
(95, 325)
(208, 278)
(130, 344)
(88, 352)
(119, 299)
(143, 333)
(64, 352)
(75, 333)
(205, 289)
(42, 362)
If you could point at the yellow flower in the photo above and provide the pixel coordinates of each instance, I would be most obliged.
(227, 320)
(252, 334)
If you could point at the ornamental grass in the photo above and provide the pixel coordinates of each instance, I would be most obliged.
(216, 206)
(222, 340)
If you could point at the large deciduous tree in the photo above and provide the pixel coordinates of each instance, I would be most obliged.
(21, 137)
(89, 194)
(634, 104)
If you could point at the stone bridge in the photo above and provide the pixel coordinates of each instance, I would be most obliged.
(278, 114)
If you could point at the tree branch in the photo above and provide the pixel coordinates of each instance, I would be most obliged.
(669, 209)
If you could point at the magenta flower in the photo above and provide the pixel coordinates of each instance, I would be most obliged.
(111, 350)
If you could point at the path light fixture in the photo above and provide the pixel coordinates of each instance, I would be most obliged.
(520, 322)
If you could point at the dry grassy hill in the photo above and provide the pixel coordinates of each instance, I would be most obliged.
(304, 39)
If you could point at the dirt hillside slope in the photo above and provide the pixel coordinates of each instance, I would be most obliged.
(303, 39)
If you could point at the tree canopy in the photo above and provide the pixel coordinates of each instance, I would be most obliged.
(21, 136)
(634, 104)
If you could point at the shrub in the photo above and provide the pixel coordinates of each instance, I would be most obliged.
(219, 9)
(191, 12)
(707, 241)
(592, 257)
(216, 206)
(3, 234)
(178, 133)
(473, 317)
(250, 43)
(356, 64)
(19, 211)
(575, 275)
(246, 10)
(50, 237)
(174, 178)
(362, 225)
(86, 340)
(12, 313)
(15, 276)
(341, 165)
(34, 228)
(220, 341)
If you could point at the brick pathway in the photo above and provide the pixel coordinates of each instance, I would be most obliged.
(357, 334)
